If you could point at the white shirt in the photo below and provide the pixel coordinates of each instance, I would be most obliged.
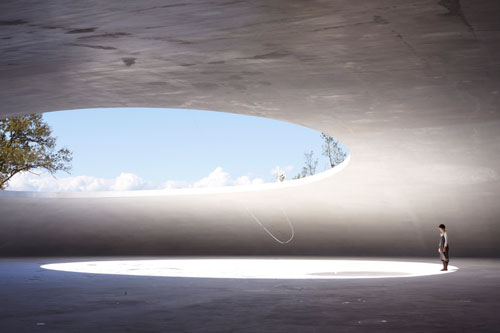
(445, 238)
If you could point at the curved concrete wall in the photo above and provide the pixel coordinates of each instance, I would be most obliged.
(411, 88)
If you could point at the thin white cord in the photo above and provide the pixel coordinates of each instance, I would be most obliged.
(270, 233)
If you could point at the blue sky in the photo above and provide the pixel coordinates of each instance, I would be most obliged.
(180, 144)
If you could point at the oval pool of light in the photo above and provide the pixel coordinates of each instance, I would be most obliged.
(252, 268)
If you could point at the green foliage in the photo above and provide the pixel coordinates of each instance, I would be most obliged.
(332, 150)
(26, 144)
(310, 165)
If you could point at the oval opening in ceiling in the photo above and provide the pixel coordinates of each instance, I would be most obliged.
(124, 149)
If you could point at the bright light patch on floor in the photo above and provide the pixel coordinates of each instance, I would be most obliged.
(256, 268)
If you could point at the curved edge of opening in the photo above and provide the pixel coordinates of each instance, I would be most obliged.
(185, 191)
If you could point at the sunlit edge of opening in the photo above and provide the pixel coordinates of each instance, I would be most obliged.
(228, 268)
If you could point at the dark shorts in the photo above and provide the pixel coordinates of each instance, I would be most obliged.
(445, 255)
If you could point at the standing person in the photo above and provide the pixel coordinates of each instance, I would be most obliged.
(443, 248)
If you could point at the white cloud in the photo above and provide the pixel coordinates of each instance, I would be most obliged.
(44, 182)
(279, 170)
(246, 180)
(173, 184)
(218, 177)
(127, 182)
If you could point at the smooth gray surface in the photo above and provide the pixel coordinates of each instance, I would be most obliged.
(464, 301)
(412, 89)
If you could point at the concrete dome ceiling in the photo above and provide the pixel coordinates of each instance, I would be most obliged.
(412, 88)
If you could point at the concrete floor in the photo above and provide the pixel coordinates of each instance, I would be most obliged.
(37, 300)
